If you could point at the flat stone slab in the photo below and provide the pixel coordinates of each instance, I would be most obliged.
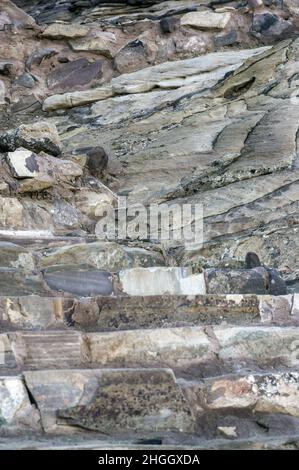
(82, 283)
(161, 281)
(110, 400)
(52, 349)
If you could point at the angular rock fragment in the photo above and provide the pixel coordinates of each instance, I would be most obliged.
(16, 412)
(65, 30)
(40, 136)
(206, 20)
(110, 400)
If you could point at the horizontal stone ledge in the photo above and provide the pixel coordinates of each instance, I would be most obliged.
(161, 280)
(205, 350)
(108, 401)
(102, 313)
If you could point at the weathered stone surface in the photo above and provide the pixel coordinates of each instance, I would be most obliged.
(206, 20)
(161, 281)
(38, 172)
(34, 311)
(68, 31)
(15, 256)
(16, 412)
(11, 213)
(40, 136)
(51, 349)
(276, 309)
(147, 400)
(77, 98)
(272, 393)
(74, 74)
(23, 163)
(258, 280)
(170, 347)
(102, 43)
(108, 256)
(264, 346)
(16, 282)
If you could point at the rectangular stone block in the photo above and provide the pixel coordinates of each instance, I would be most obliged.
(167, 347)
(161, 281)
(108, 401)
(56, 349)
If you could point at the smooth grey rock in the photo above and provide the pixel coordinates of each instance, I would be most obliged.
(82, 283)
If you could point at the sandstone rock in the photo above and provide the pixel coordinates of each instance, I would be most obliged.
(206, 20)
(15, 256)
(33, 311)
(56, 349)
(77, 98)
(109, 256)
(161, 281)
(264, 346)
(101, 43)
(65, 31)
(11, 14)
(40, 136)
(272, 393)
(11, 213)
(131, 57)
(93, 203)
(226, 39)
(171, 347)
(149, 400)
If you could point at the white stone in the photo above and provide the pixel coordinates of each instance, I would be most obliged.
(19, 161)
(206, 20)
(161, 281)
(68, 31)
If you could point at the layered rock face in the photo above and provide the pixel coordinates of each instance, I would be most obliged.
(139, 340)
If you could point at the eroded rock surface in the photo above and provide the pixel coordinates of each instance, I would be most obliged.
(113, 339)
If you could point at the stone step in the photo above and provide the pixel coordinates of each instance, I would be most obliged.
(135, 312)
(289, 441)
(84, 281)
(135, 407)
(191, 351)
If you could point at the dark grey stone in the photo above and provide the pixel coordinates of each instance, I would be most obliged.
(226, 39)
(241, 281)
(26, 80)
(74, 74)
(82, 283)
